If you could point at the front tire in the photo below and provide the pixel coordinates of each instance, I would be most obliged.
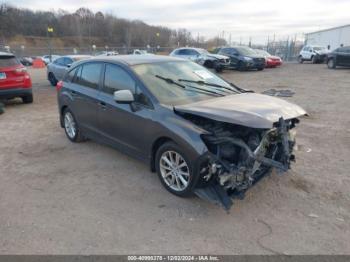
(331, 64)
(300, 59)
(71, 127)
(240, 66)
(314, 59)
(174, 170)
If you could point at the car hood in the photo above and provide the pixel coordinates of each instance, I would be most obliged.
(246, 109)
(217, 56)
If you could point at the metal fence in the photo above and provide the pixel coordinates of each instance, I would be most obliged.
(287, 50)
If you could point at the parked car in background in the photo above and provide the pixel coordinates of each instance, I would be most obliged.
(47, 59)
(315, 54)
(339, 57)
(200, 133)
(243, 58)
(139, 52)
(57, 69)
(107, 53)
(202, 57)
(26, 61)
(270, 60)
(14, 79)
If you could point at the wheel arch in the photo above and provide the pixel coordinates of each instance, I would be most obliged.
(155, 146)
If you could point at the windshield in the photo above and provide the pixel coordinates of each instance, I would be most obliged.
(318, 48)
(262, 52)
(8, 61)
(171, 94)
(202, 51)
(245, 51)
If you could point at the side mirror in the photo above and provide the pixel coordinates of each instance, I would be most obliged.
(123, 96)
(69, 65)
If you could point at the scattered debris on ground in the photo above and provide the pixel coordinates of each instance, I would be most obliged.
(282, 93)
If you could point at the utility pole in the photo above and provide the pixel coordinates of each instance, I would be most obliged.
(49, 35)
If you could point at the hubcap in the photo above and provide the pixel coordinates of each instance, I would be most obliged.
(330, 63)
(174, 170)
(69, 125)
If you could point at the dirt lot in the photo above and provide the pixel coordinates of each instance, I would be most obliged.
(64, 198)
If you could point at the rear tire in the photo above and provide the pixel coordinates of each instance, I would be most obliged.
(260, 68)
(27, 99)
(331, 64)
(300, 59)
(71, 127)
(314, 59)
(168, 161)
(52, 79)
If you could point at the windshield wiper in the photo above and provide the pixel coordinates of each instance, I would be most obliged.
(200, 82)
(241, 89)
(171, 81)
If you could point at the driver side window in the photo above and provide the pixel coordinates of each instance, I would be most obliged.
(116, 78)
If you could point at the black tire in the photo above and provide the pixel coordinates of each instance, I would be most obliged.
(314, 59)
(331, 63)
(171, 146)
(208, 64)
(240, 66)
(52, 79)
(260, 68)
(78, 136)
(218, 68)
(27, 99)
(300, 59)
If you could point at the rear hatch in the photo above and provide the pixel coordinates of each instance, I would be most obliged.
(12, 72)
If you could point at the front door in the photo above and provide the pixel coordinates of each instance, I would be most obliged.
(126, 126)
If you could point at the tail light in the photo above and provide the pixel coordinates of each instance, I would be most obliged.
(20, 70)
(59, 85)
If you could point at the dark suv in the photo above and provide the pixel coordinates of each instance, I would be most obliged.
(243, 58)
(339, 57)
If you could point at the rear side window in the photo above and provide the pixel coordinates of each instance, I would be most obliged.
(89, 75)
(116, 79)
(8, 61)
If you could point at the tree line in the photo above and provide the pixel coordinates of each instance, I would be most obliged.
(86, 25)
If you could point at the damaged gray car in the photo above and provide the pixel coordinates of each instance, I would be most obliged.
(200, 133)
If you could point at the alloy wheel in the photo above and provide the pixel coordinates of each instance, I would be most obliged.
(174, 170)
(69, 125)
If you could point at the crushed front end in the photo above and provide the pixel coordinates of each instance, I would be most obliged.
(239, 156)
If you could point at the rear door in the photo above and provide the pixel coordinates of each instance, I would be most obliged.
(9, 77)
(124, 125)
(84, 90)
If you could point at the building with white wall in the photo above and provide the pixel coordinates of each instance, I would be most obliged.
(332, 37)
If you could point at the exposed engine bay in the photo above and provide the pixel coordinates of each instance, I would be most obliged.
(239, 156)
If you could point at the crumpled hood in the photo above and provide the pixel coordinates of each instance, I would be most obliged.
(246, 109)
(217, 56)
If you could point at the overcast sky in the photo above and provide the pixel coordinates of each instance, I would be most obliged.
(241, 19)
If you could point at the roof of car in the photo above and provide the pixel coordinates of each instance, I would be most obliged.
(137, 59)
(6, 54)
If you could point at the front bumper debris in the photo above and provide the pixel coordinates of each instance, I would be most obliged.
(227, 180)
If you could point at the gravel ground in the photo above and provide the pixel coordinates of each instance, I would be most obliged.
(57, 197)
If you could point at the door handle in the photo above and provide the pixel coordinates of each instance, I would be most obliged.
(73, 93)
